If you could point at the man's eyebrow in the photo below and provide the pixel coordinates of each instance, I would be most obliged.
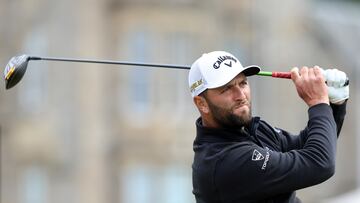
(228, 85)
(241, 80)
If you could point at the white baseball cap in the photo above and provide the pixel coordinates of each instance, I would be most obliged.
(216, 69)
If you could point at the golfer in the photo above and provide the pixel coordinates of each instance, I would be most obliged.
(241, 158)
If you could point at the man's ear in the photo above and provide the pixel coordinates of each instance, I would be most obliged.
(201, 104)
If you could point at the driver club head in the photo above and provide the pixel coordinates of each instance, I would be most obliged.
(15, 70)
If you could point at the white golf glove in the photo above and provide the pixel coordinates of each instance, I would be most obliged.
(335, 81)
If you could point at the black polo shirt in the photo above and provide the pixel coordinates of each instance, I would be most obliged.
(261, 163)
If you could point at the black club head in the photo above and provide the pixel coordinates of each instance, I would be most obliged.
(15, 70)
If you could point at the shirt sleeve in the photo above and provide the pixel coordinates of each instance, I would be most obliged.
(339, 112)
(249, 171)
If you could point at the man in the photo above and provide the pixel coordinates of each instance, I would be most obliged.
(241, 158)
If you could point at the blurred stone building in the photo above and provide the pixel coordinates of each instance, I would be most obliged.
(99, 133)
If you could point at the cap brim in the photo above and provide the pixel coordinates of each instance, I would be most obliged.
(247, 71)
(251, 70)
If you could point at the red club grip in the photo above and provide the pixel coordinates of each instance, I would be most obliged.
(281, 75)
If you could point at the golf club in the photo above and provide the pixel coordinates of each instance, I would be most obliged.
(16, 67)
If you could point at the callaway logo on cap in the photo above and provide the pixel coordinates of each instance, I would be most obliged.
(216, 69)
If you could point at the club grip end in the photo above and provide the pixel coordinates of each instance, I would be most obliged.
(281, 75)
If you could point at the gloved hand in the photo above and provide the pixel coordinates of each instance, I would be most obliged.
(335, 81)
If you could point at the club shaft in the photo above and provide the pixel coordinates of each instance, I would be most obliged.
(128, 63)
(262, 73)
(286, 75)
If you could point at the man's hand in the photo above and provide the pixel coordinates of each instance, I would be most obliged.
(335, 81)
(310, 85)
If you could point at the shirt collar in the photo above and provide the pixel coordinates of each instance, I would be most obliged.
(206, 134)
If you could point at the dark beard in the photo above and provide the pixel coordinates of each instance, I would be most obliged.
(227, 119)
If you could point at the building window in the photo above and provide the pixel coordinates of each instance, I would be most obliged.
(143, 183)
(32, 92)
(180, 46)
(34, 185)
(139, 84)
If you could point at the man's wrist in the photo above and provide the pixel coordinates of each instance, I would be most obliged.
(316, 102)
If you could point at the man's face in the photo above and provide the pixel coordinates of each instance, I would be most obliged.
(230, 105)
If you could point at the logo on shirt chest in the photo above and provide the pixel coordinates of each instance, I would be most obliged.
(257, 156)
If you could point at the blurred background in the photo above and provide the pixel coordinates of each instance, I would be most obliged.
(72, 132)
